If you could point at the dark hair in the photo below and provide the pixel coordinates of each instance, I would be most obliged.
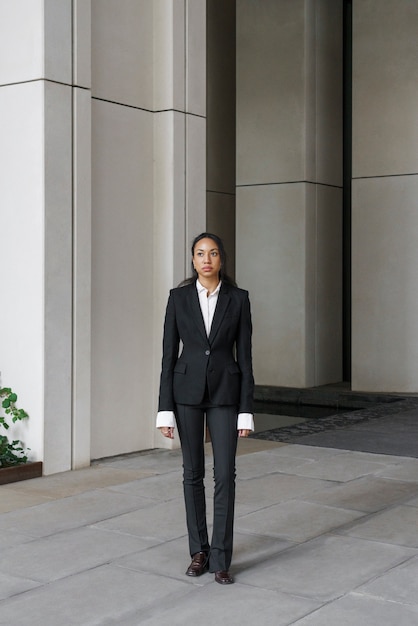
(223, 276)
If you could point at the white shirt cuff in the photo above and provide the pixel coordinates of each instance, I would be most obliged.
(245, 421)
(165, 418)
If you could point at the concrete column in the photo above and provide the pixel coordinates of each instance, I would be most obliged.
(122, 225)
(385, 196)
(36, 200)
(289, 178)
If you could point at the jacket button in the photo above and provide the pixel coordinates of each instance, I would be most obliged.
(207, 352)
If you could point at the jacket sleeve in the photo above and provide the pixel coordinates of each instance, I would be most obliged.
(244, 357)
(171, 342)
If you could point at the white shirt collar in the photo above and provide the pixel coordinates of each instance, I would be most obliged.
(201, 288)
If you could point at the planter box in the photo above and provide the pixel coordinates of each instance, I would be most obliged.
(20, 472)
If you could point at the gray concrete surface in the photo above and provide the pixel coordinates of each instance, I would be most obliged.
(324, 536)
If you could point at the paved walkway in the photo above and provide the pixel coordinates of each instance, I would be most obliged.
(324, 536)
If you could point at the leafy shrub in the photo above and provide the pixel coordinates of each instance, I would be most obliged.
(11, 452)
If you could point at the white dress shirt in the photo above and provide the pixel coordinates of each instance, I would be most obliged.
(207, 305)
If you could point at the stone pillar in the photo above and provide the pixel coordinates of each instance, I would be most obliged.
(36, 99)
(289, 186)
(385, 196)
(122, 225)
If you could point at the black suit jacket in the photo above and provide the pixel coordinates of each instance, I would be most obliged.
(222, 362)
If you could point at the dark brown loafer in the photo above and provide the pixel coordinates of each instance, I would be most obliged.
(199, 564)
(224, 578)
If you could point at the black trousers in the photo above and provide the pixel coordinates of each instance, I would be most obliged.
(222, 425)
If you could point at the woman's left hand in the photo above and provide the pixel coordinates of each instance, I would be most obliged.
(243, 432)
(167, 431)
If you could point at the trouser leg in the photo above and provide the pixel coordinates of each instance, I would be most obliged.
(222, 424)
(190, 424)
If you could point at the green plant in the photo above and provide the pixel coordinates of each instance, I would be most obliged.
(11, 452)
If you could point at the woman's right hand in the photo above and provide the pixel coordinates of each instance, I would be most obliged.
(167, 431)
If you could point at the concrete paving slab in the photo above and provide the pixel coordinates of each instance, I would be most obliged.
(355, 610)
(12, 499)
(170, 558)
(233, 605)
(400, 584)
(340, 468)
(388, 460)
(407, 469)
(67, 484)
(327, 567)
(263, 491)
(160, 522)
(91, 598)
(368, 494)
(154, 487)
(249, 446)
(65, 554)
(72, 512)
(296, 520)
(13, 586)
(156, 461)
(8, 539)
(309, 453)
(251, 549)
(412, 502)
(398, 526)
(262, 463)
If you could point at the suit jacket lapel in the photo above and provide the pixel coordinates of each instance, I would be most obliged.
(196, 311)
(221, 307)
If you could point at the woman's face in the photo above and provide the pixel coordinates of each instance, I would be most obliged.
(207, 259)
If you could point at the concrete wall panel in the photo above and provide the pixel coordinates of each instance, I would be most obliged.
(196, 57)
(385, 87)
(169, 52)
(58, 40)
(271, 263)
(21, 41)
(385, 284)
(271, 91)
(122, 279)
(122, 51)
(58, 277)
(22, 255)
(81, 278)
(82, 43)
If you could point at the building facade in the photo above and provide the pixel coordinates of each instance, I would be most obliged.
(129, 126)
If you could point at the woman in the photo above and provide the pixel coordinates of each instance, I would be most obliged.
(211, 376)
